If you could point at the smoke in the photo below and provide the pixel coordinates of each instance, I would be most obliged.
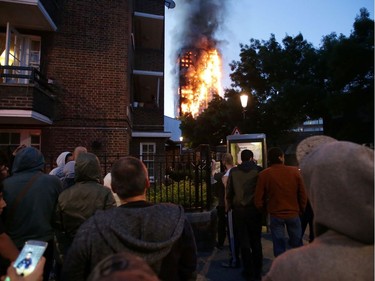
(199, 23)
(198, 27)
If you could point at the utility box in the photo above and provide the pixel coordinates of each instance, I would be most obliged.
(254, 142)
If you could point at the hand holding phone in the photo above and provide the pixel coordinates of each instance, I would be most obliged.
(29, 257)
(36, 275)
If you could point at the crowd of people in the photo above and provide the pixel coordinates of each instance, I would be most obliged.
(334, 199)
(107, 230)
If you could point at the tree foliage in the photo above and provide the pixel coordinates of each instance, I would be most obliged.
(291, 82)
(347, 67)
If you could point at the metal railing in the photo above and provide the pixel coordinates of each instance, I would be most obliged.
(186, 182)
(23, 75)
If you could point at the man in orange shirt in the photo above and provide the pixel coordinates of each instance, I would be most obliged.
(280, 191)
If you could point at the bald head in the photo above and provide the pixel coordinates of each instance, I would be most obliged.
(129, 177)
(78, 150)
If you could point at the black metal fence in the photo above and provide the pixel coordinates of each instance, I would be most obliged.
(182, 179)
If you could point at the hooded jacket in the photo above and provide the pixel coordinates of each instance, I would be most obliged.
(160, 234)
(241, 185)
(339, 177)
(32, 217)
(80, 201)
(60, 161)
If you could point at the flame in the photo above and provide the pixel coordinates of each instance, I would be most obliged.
(200, 80)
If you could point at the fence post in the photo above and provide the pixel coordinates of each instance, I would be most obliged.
(206, 158)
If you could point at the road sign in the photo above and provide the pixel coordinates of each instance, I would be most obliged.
(236, 131)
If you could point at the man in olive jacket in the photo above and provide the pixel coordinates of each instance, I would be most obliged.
(247, 218)
(80, 201)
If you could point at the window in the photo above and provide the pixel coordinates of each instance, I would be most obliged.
(23, 50)
(11, 139)
(147, 155)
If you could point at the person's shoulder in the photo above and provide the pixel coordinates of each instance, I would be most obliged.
(168, 206)
(52, 178)
(49, 182)
(293, 169)
(102, 217)
(233, 169)
(265, 170)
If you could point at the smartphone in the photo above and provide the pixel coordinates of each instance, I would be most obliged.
(29, 257)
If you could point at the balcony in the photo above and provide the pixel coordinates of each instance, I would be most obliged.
(25, 97)
(30, 14)
(148, 31)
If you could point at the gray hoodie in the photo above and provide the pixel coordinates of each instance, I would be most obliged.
(160, 234)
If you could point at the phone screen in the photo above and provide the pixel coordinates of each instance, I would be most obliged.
(29, 257)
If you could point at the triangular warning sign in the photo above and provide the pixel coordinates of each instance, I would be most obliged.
(236, 131)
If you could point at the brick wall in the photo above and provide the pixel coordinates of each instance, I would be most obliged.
(88, 62)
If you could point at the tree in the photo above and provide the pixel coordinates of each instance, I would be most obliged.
(347, 67)
(281, 80)
(291, 82)
(213, 125)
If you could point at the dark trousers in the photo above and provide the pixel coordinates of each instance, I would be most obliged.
(248, 223)
(233, 243)
(221, 225)
(48, 254)
(307, 218)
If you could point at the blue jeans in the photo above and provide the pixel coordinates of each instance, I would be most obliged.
(277, 226)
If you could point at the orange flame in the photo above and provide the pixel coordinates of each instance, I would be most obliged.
(200, 80)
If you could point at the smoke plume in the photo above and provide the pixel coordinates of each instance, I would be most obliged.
(199, 22)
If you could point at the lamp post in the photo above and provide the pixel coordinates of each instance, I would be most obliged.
(244, 98)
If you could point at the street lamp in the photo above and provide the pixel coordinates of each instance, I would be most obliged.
(244, 98)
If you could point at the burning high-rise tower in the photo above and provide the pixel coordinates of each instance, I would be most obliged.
(198, 55)
(199, 79)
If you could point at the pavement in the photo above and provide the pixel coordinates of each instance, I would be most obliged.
(209, 263)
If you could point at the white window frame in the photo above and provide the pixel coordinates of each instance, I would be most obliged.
(148, 158)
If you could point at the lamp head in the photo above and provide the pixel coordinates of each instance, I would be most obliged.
(244, 98)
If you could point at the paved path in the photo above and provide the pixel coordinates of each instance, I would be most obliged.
(209, 268)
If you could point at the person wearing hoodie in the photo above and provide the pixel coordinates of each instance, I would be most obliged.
(31, 198)
(61, 161)
(339, 178)
(247, 219)
(158, 233)
(80, 201)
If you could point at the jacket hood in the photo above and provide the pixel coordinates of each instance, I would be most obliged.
(28, 159)
(149, 231)
(60, 161)
(248, 165)
(339, 178)
(87, 168)
(68, 169)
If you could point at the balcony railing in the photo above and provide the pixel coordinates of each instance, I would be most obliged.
(23, 75)
(25, 88)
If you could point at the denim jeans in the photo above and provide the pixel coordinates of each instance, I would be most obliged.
(293, 226)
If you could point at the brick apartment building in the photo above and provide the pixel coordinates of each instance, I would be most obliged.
(85, 73)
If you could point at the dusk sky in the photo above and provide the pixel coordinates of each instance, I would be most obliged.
(241, 20)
